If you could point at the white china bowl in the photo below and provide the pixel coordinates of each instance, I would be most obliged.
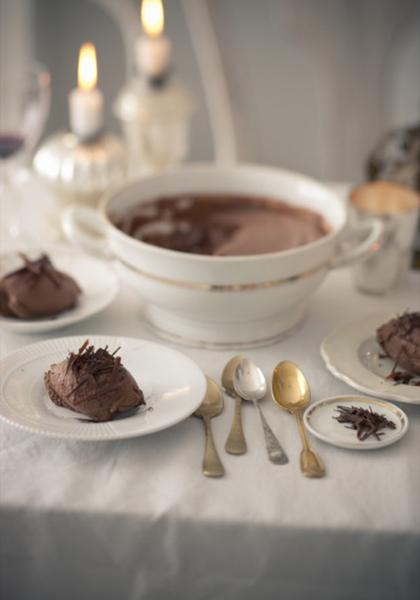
(220, 301)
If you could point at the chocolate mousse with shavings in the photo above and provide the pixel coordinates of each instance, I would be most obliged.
(93, 382)
(400, 339)
(365, 421)
(37, 290)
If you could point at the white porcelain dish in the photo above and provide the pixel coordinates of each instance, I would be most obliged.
(96, 278)
(352, 354)
(24, 401)
(221, 301)
(320, 421)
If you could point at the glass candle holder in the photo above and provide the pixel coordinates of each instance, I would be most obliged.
(155, 118)
(80, 172)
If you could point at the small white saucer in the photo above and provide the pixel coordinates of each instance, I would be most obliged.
(97, 280)
(320, 421)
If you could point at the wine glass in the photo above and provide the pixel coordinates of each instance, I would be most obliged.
(24, 106)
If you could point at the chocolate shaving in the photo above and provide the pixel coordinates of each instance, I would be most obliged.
(41, 266)
(365, 421)
(394, 368)
(402, 377)
(90, 365)
(72, 356)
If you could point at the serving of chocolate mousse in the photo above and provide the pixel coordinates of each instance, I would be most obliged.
(400, 339)
(37, 290)
(94, 383)
(222, 225)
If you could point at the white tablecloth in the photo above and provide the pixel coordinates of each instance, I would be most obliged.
(137, 519)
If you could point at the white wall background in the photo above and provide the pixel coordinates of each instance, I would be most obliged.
(314, 83)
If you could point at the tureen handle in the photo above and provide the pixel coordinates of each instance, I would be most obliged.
(86, 228)
(352, 250)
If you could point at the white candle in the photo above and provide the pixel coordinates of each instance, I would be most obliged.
(153, 50)
(86, 102)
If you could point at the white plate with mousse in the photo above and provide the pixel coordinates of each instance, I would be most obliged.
(169, 399)
(96, 279)
(352, 353)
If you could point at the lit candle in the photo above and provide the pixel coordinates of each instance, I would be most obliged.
(153, 51)
(86, 102)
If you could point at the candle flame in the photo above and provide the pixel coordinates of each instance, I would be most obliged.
(87, 72)
(152, 17)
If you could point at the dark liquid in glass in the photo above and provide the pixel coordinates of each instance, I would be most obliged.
(10, 143)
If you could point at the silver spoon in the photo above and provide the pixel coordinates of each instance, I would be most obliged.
(250, 384)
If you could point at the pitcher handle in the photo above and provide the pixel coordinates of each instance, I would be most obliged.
(354, 252)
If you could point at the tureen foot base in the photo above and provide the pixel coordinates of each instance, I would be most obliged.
(220, 335)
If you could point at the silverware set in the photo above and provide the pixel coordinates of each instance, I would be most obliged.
(244, 380)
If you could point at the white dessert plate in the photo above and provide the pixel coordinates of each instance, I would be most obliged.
(173, 387)
(97, 280)
(320, 421)
(352, 354)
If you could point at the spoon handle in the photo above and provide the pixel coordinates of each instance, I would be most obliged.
(310, 463)
(212, 465)
(235, 443)
(274, 449)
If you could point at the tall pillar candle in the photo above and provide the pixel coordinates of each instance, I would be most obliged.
(153, 49)
(86, 102)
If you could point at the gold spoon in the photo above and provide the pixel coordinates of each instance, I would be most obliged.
(291, 391)
(211, 406)
(235, 443)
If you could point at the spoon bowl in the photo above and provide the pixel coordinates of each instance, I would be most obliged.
(235, 443)
(212, 404)
(228, 375)
(289, 386)
(249, 381)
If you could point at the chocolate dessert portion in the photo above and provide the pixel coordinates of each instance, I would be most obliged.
(221, 225)
(94, 383)
(400, 338)
(36, 290)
